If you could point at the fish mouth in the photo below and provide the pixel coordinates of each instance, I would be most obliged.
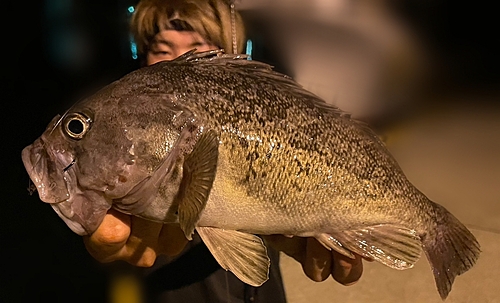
(45, 172)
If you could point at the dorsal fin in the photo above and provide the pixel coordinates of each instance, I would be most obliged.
(250, 68)
(210, 55)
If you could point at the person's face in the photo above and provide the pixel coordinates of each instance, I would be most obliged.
(170, 44)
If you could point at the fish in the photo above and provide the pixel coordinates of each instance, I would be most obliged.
(231, 149)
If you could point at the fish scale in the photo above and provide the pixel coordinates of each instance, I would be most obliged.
(243, 109)
(230, 149)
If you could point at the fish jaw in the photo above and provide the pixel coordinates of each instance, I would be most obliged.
(82, 210)
(46, 169)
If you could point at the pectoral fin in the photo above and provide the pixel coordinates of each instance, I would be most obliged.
(198, 176)
(394, 246)
(245, 255)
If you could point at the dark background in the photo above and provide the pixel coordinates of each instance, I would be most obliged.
(53, 52)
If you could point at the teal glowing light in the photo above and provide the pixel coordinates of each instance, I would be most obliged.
(133, 47)
(249, 49)
(131, 9)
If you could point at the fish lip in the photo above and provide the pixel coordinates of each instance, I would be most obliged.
(35, 158)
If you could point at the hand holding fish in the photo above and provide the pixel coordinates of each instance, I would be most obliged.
(139, 242)
(318, 262)
(133, 239)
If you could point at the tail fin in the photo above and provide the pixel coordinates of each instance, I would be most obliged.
(451, 250)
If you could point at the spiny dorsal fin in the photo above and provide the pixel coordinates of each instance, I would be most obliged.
(253, 68)
(211, 55)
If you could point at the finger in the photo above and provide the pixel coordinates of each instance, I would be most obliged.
(106, 243)
(318, 262)
(345, 270)
(294, 247)
(142, 244)
(172, 240)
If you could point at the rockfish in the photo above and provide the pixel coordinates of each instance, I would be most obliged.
(232, 149)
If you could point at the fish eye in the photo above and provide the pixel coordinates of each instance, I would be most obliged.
(76, 125)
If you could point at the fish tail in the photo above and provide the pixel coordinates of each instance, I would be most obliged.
(450, 248)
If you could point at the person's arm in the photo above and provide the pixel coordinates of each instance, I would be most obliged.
(139, 242)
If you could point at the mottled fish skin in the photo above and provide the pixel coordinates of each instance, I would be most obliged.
(281, 146)
(222, 143)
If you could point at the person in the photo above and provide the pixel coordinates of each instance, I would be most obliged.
(179, 271)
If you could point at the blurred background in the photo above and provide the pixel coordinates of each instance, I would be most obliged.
(424, 73)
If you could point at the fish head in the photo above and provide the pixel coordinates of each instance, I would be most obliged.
(81, 163)
(113, 148)
(50, 162)
(46, 160)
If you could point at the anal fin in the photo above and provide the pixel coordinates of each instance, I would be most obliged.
(329, 242)
(245, 255)
(394, 246)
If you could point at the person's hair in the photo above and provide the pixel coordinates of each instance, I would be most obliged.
(209, 18)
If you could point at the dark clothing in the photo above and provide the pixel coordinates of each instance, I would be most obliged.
(195, 276)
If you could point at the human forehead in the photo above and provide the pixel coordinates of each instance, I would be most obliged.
(175, 38)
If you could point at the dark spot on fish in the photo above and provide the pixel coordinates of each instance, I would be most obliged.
(262, 122)
(175, 173)
(192, 128)
(252, 156)
(297, 186)
(299, 164)
(243, 142)
(122, 178)
(308, 169)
